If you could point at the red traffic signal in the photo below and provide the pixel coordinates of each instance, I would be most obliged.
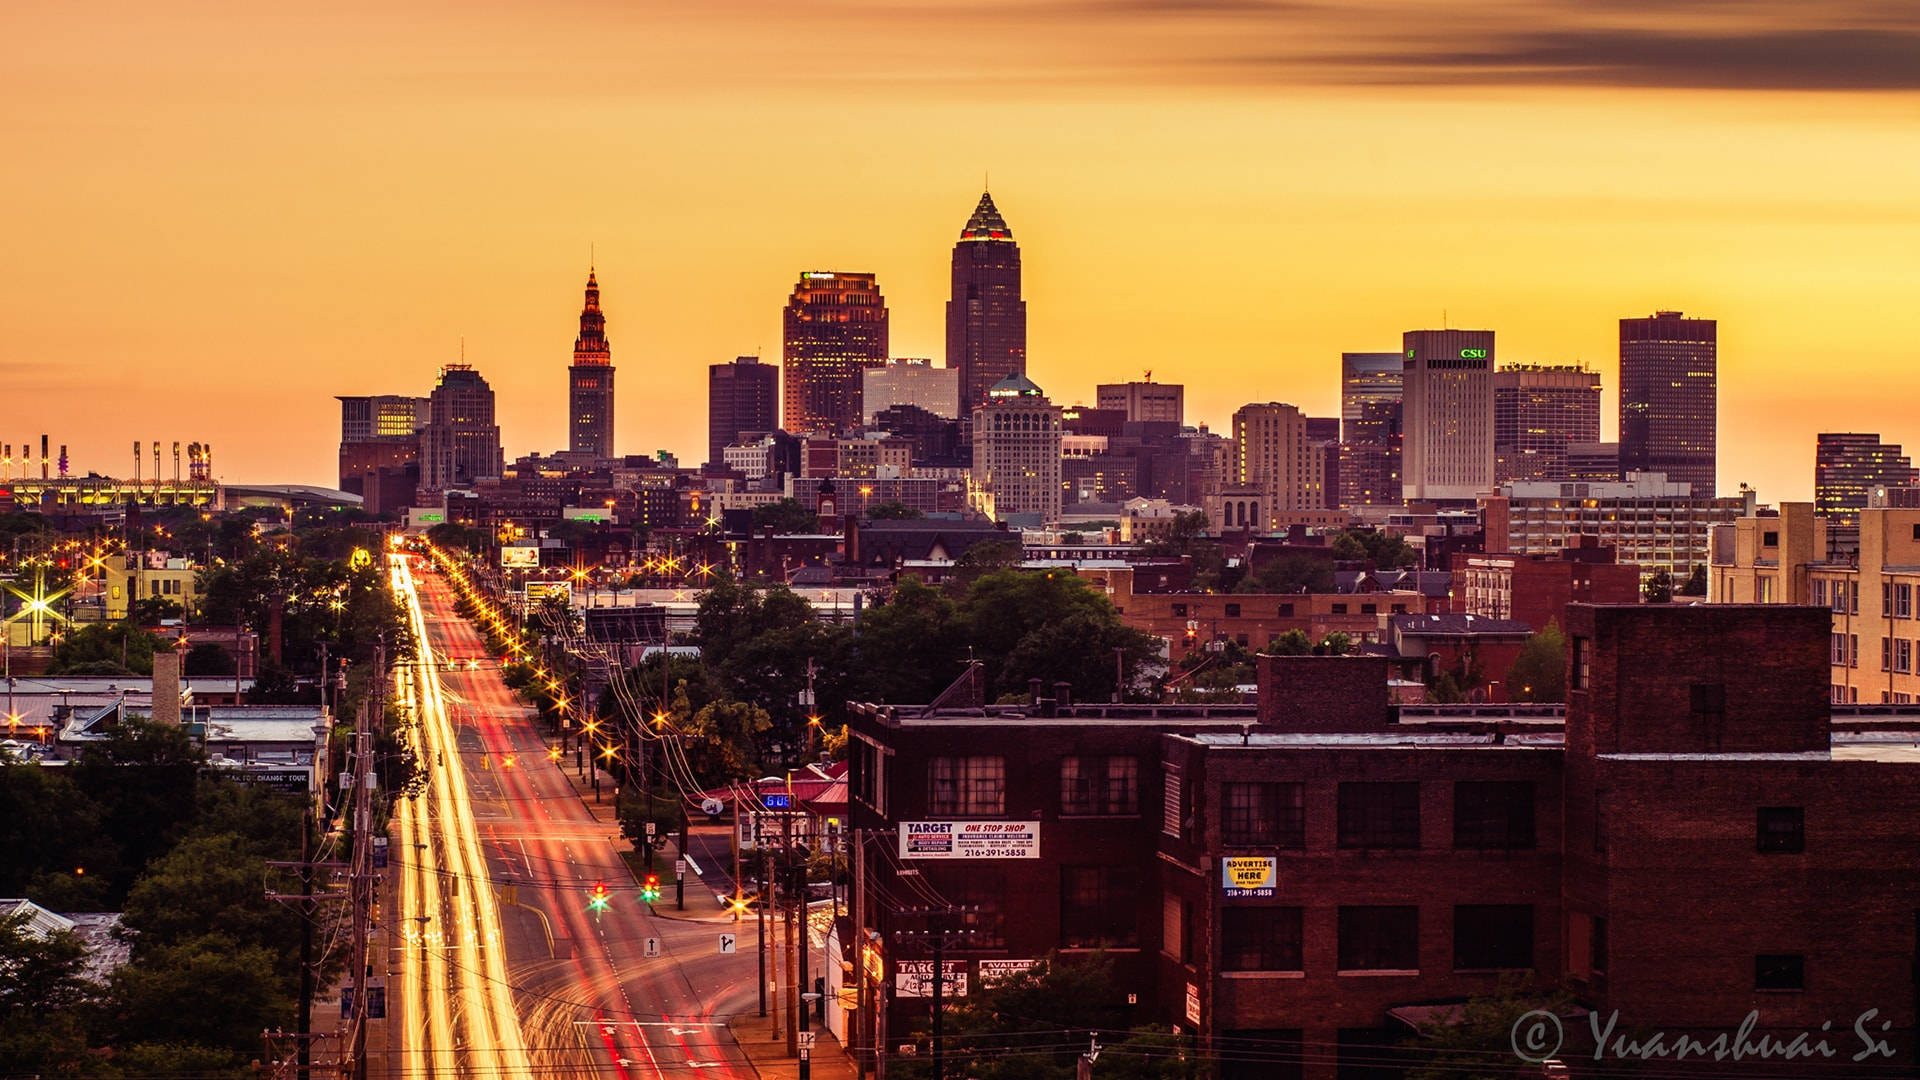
(650, 888)
(598, 902)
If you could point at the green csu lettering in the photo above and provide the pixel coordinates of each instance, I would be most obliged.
(1473, 354)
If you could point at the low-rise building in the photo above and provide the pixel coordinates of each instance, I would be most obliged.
(1652, 523)
(1535, 589)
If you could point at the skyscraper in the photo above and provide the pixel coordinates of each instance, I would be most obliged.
(906, 381)
(461, 443)
(835, 329)
(986, 319)
(1668, 387)
(1146, 400)
(382, 416)
(1274, 455)
(741, 396)
(1366, 377)
(1370, 458)
(1537, 412)
(590, 382)
(1016, 452)
(1446, 414)
(1848, 466)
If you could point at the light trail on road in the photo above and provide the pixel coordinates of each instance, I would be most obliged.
(455, 970)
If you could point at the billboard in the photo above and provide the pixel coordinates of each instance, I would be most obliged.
(969, 839)
(1242, 875)
(520, 558)
(914, 978)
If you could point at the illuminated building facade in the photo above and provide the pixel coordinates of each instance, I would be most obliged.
(986, 319)
(910, 382)
(1668, 387)
(1447, 414)
(1016, 451)
(835, 328)
(590, 382)
(1848, 466)
(1274, 455)
(383, 416)
(1537, 412)
(461, 443)
(1146, 400)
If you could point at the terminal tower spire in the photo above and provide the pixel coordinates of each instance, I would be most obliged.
(590, 381)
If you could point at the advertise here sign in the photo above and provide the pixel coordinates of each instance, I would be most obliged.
(1247, 876)
(994, 972)
(969, 839)
(914, 978)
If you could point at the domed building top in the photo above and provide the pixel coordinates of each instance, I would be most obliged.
(986, 222)
(1015, 385)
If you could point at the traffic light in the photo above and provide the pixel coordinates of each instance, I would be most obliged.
(598, 902)
(650, 888)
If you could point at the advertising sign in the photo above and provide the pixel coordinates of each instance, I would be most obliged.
(914, 978)
(1242, 876)
(540, 590)
(969, 839)
(1193, 1004)
(993, 972)
(520, 558)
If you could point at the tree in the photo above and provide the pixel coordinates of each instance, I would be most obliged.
(984, 557)
(1385, 550)
(1462, 1042)
(1292, 643)
(1290, 573)
(909, 647)
(122, 644)
(42, 987)
(144, 778)
(893, 510)
(785, 517)
(209, 658)
(1182, 534)
(1049, 625)
(1012, 1030)
(209, 991)
(208, 883)
(448, 536)
(1696, 581)
(1539, 673)
(57, 849)
(1659, 587)
(1336, 644)
(154, 610)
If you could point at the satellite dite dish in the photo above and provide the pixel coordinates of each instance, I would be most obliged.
(712, 806)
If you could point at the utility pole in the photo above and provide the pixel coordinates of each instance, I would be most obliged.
(792, 957)
(760, 937)
(856, 1033)
(941, 936)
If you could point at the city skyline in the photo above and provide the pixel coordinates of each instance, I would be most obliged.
(428, 211)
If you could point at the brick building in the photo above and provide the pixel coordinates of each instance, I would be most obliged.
(1535, 589)
(1701, 836)
(1189, 620)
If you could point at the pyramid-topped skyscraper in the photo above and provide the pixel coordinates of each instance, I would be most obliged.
(986, 319)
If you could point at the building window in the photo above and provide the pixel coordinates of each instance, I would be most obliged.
(1339, 609)
(1819, 593)
(1099, 785)
(1380, 815)
(1837, 650)
(1492, 936)
(1096, 907)
(1379, 939)
(1582, 647)
(1770, 539)
(1369, 609)
(1709, 701)
(1779, 971)
(1233, 611)
(1264, 815)
(1597, 945)
(1260, 939)
(870, 782)
(1903, 601)
(1493, 815)
(980, 899)
(1780, 830)
(1853, 650)
(1286, 611)
(1886, 653)
(1179, 611)
(967, 785)
(1903, 655)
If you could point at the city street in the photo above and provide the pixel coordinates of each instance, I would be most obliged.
(535, 982)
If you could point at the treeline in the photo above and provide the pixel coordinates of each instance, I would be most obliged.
(137, 825)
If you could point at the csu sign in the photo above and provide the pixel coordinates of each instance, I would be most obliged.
(1473, 354)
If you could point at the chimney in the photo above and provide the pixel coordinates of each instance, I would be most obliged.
(166, 686)
(1033, 691)
(1063, 692)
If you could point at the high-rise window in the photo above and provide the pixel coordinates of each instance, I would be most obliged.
(967, 786)
(1380, 815)
(1780, 830)
(1779, 971)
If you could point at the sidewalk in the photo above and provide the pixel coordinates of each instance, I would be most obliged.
(769, 1058)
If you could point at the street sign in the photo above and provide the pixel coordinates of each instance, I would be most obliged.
(679, 868)
(712, 807)
(726, 944)
(653, 946)
(652, 827)
(806, 1039)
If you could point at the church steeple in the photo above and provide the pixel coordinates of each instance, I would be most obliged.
(986, 222)
(591, 346)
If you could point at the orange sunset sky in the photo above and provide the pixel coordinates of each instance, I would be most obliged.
(220, 215)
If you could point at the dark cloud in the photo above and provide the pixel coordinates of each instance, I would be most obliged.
(1794, 59)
